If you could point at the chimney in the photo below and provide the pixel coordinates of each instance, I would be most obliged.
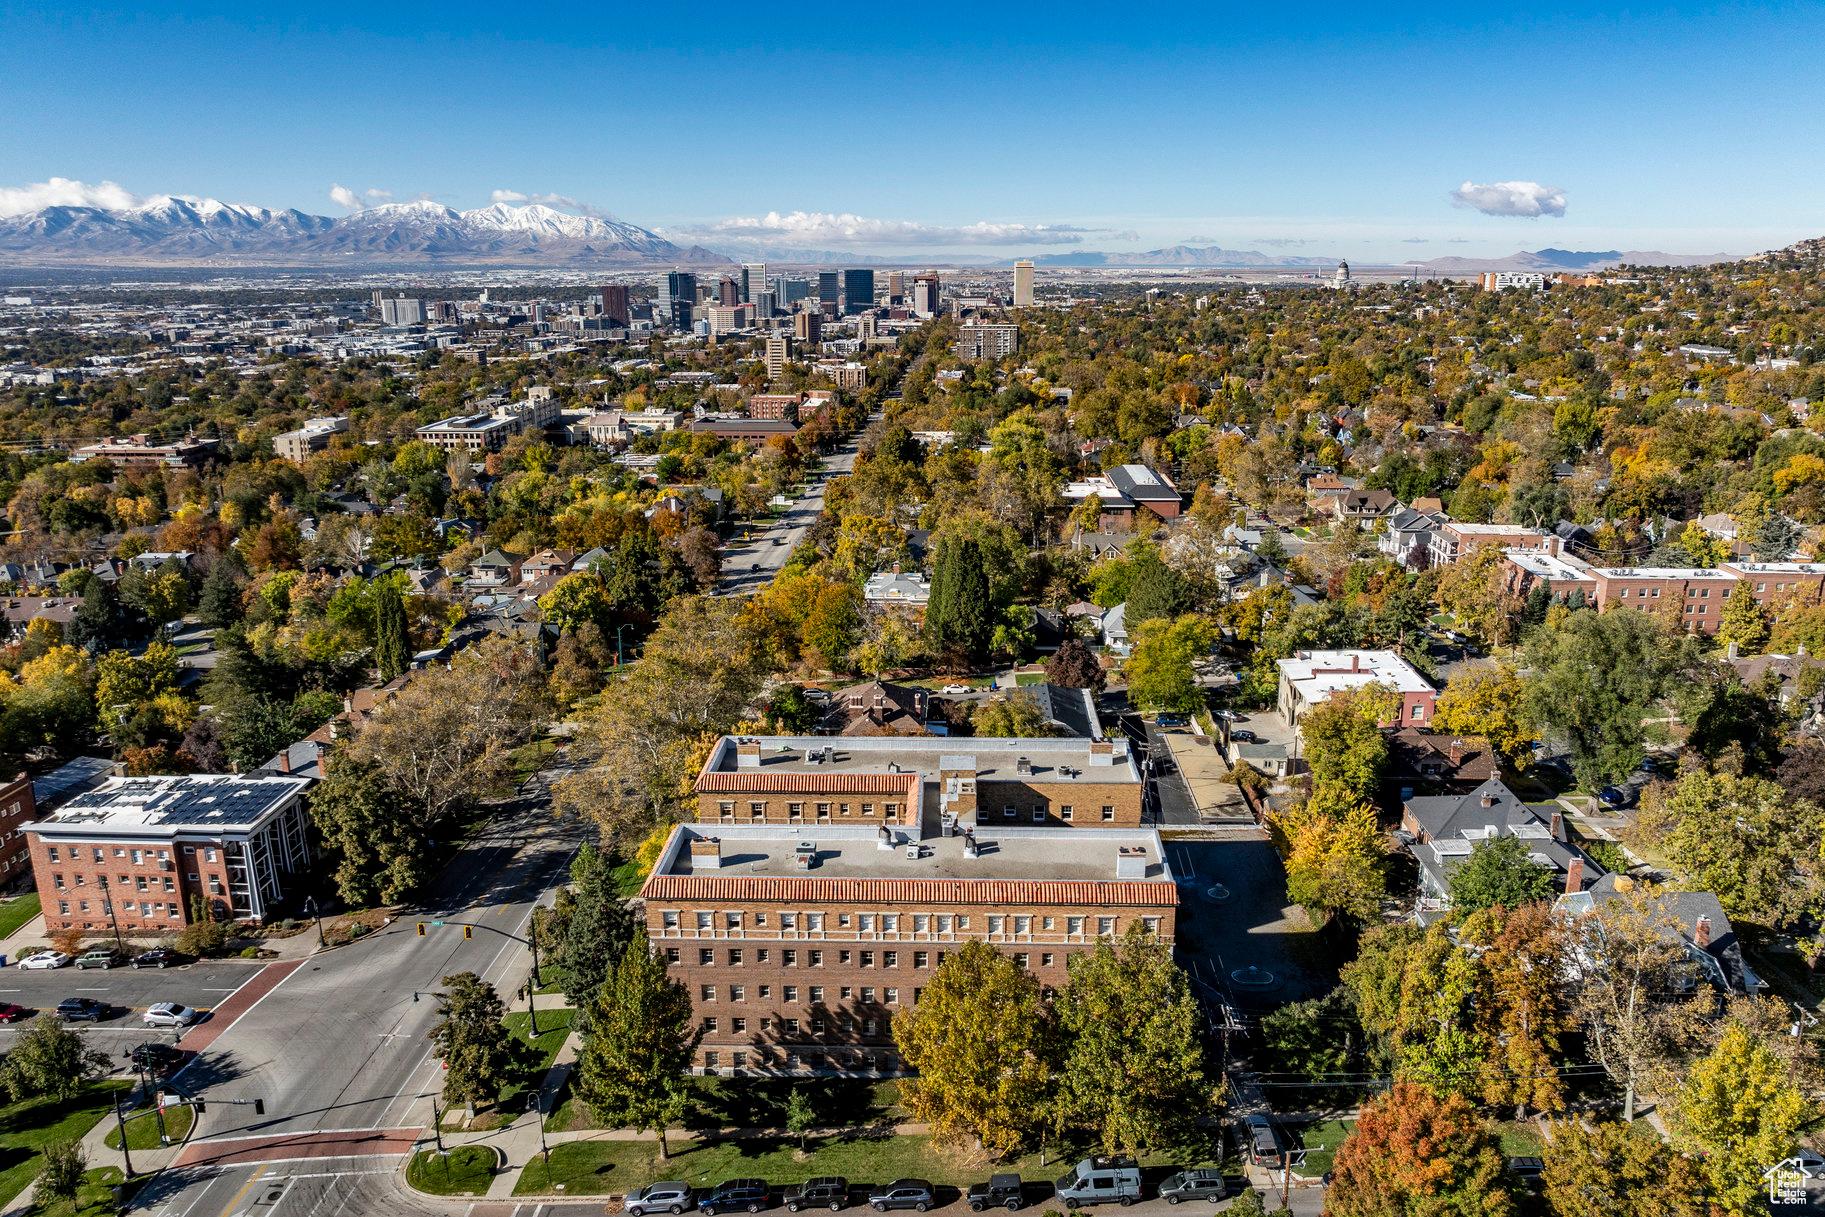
(285, 759)
(1457, 751)
(1558, 826)
(1489, 800)
(1574, 876)
(1355, 662)
(1730, 651)
(1701, 934)
(706, 853)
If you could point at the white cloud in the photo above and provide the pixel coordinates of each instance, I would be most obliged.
(342, 196)
(508, 196)
(515, 198)
(1283, 242)
(1529, 199)
(378, 195)
(816, 228)
(65, 192)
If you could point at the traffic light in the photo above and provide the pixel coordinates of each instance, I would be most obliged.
(468, 931)
(259, 1107)
(421, 929)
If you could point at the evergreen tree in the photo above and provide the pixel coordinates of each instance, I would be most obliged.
(642, 1038)
(99, 624)
(392, 644)
(219, 604)
(474, 1044)
(598, 930)
(960, 616)
(1154, 589)
(1539, 599)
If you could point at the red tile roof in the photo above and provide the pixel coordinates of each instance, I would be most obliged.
(808, 783)
(1126, 893)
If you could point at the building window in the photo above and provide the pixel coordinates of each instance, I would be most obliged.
(788, 921)
(846, 993)
(1108, 813)
(735, 957)
(757, 811)
(1045, 923)
(817, 1026)
(868, 1026)
(209, 853)
(1008, 812)
(766, 991)
(1020, 960)
(823, 811)
(1039, 813)
(671, 955)
(705, 920)
(707, 993)
(791, 1025)
(1105, 926)
(731, 921)
(890, 959)
(709, 1060)
(817, 995)
(865, 923)
(868, 959)
(814, 922)
(867, 996)
(963, 923)
(51, 853)
(669, 919)
(1023, 925)
(57, 882)
(737, 993)
(725, 811)
(738, 1059)
(842, 809)
(890, 922)
(944, 923)
(795, 811)
(788, 959)
(706, 957)
(1152, 924)
(868, 809)
(1066, 811)
(921, 923)
(738, 1025)
(791, 993)
(1419, 711)
(921, 959)
(815, 958)
(842, 921)
(1045, 961)
(995, 924)
(63, 907)
(892, 996)
(709, 1026)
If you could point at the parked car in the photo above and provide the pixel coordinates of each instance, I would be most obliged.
(1810, 1161)
(1173, 720)
(45, 959)
(747, 1195)
(1100, 1180)
(159, 957)
(170, 1014)
(1242, 736)
(1611, 796)
(103, 958)
(82, 1010)
(670, 1197)
(156, 1057)
(1528, 1170)
(1260, 1142)
(1653, 765)
(10, 1013)
(955, 688)
(819, 695)
(1193, 1185)
(825, 1192)
(915, 1194)
(1000, 1192)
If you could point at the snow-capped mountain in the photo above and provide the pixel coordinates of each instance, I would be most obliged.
(185, 231)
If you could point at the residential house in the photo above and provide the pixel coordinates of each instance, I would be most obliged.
(1446, 829)
(1312, 677)
(1697, 918)
(547, 563)
(496, 568)
(1408, 536)
(1365, 505)
(1131, 496)
(897, 587)
(1422, 763)
(1115, 629)
(876, 708)
(21, 611)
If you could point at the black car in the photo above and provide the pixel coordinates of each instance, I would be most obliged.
(156, 1057)
(82, 1010)
(1173, 720)
(159, 957)
(1193, 1185)
(915, 1194)
(1242, 736)
(1000, 1192)
(826, 1192)
(746, 1195)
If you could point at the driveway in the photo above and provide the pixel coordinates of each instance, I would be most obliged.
(1235, 915)
(1199, 771)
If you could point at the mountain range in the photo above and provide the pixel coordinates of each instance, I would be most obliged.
(185, 231)
(1181, 255)
(1571, 259)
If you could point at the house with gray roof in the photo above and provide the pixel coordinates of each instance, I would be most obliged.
(1697, 918)
(1444, 830)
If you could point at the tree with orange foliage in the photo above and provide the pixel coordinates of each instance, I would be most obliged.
(1414, 1154)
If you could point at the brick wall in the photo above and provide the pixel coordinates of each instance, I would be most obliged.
(16, 807)
(69, 877)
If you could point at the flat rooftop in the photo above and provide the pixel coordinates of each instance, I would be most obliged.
(1547, 566)
(1662, 572)
(1328, 671)
(1061, 759)
(204, 803)
(1029, 854)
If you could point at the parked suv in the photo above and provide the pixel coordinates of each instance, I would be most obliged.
(660, 1198)
(1260, 1143)
(102, 957)
(1100, 1180)
(82, 1010)
(825, 1192)
(915, 1194)
(1193, 1185)
(156, 1057)
(1000, 1192)
(748, 1195)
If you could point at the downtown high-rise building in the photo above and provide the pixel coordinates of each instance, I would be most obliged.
(728, 291)
(615, 305)
(790, 291)
(829, 287)
(677, 299)
(896, 286)
(753, 280)
(779, 350)
(1023, 283)
(858, 291)
(927, 298)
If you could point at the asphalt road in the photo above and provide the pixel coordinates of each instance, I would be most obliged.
(770, 548)
(128, 992)
(338, 1050)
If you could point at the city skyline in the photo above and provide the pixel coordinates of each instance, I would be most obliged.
(1403, 135)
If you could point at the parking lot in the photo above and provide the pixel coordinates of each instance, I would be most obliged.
(127, 991)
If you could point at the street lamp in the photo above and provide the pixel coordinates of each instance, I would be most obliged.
(535, 1102)
(311, 910)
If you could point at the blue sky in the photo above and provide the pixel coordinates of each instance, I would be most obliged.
(991, 129)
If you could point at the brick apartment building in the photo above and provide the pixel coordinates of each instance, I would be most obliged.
(145, 846)
(1695, 595)
(826, 880)
(17, 808)
(1311, 677)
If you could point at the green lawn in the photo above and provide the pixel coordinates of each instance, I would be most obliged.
(142, 1128)
(1321, 1141)
(594, 1168)
(464, 1171)
(554, 1029)
(27, 1127)
(15, 913)
(718, 1103)
(1022, 679)
(1519, 1140)
(95, 1198)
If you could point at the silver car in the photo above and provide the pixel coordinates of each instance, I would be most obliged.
(659, 1198)
(170, 1014)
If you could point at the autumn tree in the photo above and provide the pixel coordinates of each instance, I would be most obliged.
(982, 1041)
(1017, 715)
(1523, 1005)
(1742, 1116)
(1488, 702)
(1134, 1068)
(50, 1061)
(1414, 1153)
(471, 1040)
(1334, 853)
(1075, 666)
(1604, 1168)
(1344, 744)
(1744, 621)
(1159, 671)
(641, 1040)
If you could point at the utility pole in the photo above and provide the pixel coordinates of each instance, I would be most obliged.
(121, 1123)
(107, 898)
(535, 1102)
(532, 1014)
